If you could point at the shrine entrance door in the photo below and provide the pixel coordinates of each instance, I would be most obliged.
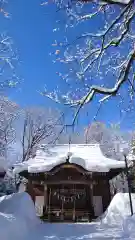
(69, 202)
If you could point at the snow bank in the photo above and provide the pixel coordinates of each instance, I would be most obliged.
(17, 216)
(19, 222)
(119, 209)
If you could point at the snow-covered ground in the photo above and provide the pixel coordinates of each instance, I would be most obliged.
(18, 221)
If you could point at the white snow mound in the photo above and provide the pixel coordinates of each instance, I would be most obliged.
(17, 216)
(119, 209)
(18, 221)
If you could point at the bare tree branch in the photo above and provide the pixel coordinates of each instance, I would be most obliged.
(39, 126)
(100, 61)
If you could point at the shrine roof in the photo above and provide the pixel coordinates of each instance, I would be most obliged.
(88, 156)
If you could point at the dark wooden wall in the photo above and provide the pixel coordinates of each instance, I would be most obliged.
(100, 188)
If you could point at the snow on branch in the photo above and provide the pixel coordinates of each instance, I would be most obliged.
(124, 2)
(101, 59)
(107, 91)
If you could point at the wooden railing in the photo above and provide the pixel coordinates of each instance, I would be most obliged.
(69, 215)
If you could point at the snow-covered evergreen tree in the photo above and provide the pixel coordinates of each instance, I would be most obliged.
(7, 185)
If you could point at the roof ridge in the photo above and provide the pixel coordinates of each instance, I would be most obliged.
(79, 144)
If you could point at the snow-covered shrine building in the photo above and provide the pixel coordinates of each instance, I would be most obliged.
(70, 183)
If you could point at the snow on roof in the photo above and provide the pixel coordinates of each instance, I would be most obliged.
(89, 157)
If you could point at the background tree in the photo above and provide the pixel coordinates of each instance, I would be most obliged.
(132, 169)
(39, 126)
(22, 131)
(8, 60)
(8, 56)
(8, 115)
(110, 138)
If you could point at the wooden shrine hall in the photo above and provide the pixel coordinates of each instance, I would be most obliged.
(69, 186)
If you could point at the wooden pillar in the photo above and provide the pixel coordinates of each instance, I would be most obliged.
(49, 207)
(62, 210)
(91, 203)
(106, 194)
(45, 197)
(74, 211)
(62, 207)
(29, 190)
(74, 205)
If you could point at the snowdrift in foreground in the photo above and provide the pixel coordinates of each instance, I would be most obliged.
(18, 221)
(17, 216)
(119, 209)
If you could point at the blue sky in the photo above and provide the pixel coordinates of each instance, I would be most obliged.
(31, 27)
(31, 31)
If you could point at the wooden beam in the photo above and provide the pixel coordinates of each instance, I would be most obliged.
(67, 182)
